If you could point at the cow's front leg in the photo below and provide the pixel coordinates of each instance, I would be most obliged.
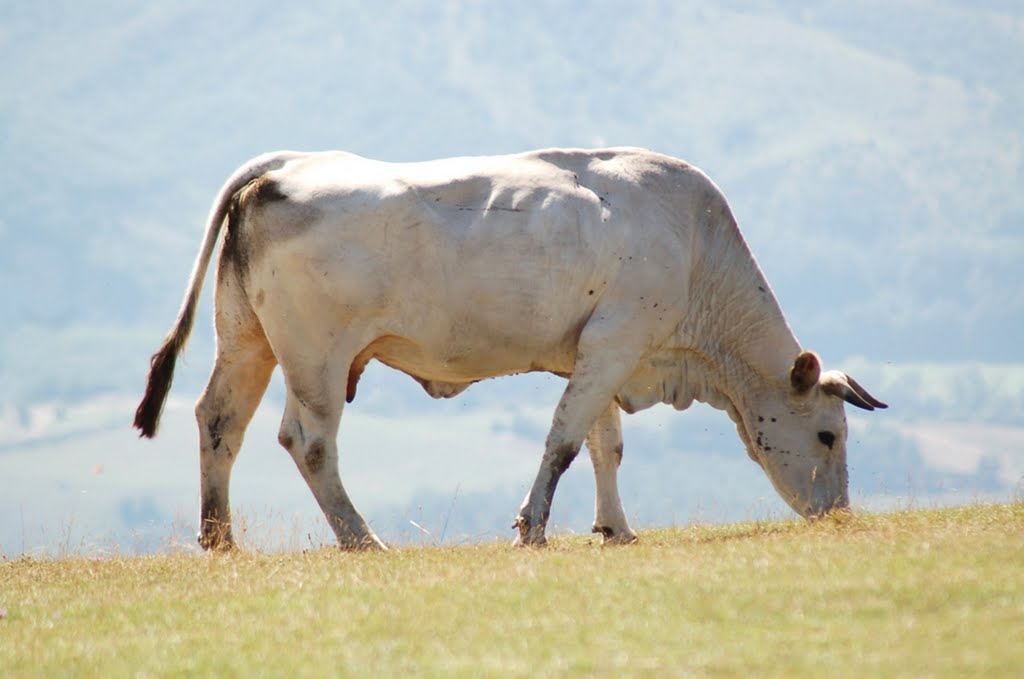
(596, 377)
(605, 445)
(536, 508)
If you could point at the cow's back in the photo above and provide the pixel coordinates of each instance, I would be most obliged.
(485, 265)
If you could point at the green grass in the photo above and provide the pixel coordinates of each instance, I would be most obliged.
(924, 593)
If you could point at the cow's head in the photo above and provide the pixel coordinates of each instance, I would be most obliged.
(797, 433)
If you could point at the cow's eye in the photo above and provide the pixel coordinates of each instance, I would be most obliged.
(827, 437)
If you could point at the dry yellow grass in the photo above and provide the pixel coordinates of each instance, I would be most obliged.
(925, 593)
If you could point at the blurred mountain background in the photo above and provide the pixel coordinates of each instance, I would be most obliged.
(873, 153)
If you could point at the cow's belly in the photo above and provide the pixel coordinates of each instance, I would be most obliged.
(480, 321)
(468, 349)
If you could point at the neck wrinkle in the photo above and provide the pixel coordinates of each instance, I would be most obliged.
(734, 323)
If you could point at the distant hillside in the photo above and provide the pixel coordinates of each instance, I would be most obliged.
(873, 153)
(460, 468)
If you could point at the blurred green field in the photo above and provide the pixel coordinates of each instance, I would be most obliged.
(921, 593)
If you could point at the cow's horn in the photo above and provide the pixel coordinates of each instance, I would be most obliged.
(845, 387)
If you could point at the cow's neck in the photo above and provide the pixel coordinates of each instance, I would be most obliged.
(732, 343)
(734, 324)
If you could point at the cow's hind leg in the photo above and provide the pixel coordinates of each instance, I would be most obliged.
(604, 441)
(241, 372)
(309, 433)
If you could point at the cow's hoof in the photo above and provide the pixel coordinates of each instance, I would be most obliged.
(216, 543)
(534, 542)
(362, 543)
(529, 535)
(610, 536)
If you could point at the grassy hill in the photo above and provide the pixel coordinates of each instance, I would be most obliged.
(927, 593)
(891, 137)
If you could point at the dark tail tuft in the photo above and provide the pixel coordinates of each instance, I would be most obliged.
(161, 374)
(161, 366)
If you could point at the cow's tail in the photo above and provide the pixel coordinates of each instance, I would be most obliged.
(161, 365)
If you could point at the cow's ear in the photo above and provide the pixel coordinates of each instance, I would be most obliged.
(805, 373)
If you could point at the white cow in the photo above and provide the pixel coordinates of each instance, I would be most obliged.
(620, 269)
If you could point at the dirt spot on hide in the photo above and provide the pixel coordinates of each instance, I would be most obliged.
(238, 250)
(315, 457)
(563, 457)
(263, 190)
(214, 429)
(210, 509)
